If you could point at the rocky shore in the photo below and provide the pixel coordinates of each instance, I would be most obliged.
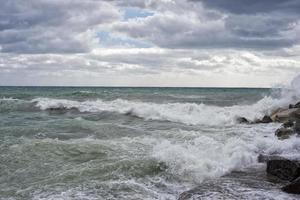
(281, 168)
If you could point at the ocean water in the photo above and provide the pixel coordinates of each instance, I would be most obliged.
(138, 143)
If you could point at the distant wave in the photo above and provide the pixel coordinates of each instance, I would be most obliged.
(12, 104)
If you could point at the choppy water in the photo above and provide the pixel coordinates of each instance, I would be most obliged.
(137, 143)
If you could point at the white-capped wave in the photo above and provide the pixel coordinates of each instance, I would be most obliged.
(187, 113)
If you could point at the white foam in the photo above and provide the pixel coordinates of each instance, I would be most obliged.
(203, 155)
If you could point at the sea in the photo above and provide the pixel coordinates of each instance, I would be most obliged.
(88, 143)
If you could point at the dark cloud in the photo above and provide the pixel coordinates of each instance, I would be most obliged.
(220, 24)
(57, 42)
(253, 6)
(50, 26)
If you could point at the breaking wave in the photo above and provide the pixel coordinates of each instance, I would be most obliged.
(187, 113)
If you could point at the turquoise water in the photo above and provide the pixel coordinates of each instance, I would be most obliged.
(133, 143)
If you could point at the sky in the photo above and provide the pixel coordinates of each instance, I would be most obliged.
(186, 43)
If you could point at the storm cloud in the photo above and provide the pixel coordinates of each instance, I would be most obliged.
(133, 42)
(51, 26)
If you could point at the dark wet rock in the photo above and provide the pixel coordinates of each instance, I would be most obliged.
(242, 120)
(274, 113)
(56, 108)
(296, 114)
(288, 124)
(284, 169)
(256, 121)
(235, 186)
(284, 133)
(285, 115)
(293, 187)
(291, 106)
(297, 126)
(265, 158)
(297, 105)
(61, 110)
(266, 119)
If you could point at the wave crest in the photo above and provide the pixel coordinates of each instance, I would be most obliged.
(187, 113)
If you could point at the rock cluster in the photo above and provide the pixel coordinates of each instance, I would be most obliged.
(284, 169)
(289, 117)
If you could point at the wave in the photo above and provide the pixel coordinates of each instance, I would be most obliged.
(189, 157)
(12, 104)
(187, 113)
(180, 112)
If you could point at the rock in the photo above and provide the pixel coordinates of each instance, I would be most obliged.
(284, 133)
(297, 126)
(256, 121)
(266, 119)
(297, 105)
(284, 169)
(291, 106)
(274, 112)
(288, 124)
(242, 120)
(296, 114)
(61, 110)
(284, 115)
(293, 187)
(265, 158)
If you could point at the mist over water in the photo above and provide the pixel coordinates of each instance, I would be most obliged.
(138, 143)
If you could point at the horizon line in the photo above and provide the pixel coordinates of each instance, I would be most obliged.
(94, 86)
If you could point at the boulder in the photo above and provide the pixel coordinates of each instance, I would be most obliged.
(285, 115)
(265, 158)
(61, 110)
(297, 126)
(288, 124)
(284, 133)
(297, 105)
(284, 169)
(293, 187)
(274, 112)
(242, 120)
(266, 119)
(296, 114)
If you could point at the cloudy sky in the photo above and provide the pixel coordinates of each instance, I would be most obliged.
(238, 43)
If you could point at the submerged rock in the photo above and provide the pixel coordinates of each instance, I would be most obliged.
(284, 169)
(288, 124)
(242, 120)
(266, 119)
(61, 110)
(284, 133)
(293, 187)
